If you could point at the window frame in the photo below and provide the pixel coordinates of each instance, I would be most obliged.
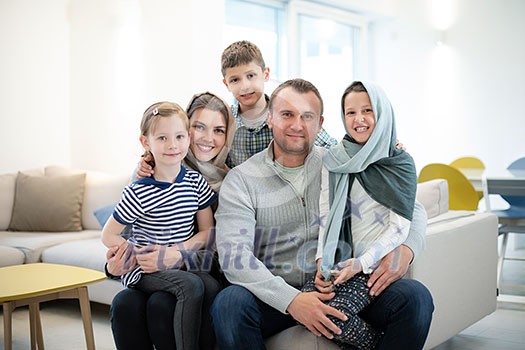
(296, 8)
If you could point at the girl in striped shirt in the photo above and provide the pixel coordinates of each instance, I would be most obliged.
(162, 210)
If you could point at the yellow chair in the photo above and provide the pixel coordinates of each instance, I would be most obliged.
(471, 166)
(461, 193)
(468, 163)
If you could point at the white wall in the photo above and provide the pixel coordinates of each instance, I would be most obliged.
(34, 83)
(73, 86)
(464, 97)
(75, 79)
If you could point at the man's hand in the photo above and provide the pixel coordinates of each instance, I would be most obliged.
(157, 258)
(143, 168)
(121, 259)
(391, 268)
(309, 310)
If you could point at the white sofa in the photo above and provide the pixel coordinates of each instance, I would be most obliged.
(79, 248)
(458, 265)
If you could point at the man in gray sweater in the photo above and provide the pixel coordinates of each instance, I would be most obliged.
(267, 229)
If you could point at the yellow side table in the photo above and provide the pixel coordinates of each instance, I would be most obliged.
(31, 284)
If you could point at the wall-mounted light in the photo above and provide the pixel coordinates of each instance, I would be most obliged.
(440, 37)
(443, 13)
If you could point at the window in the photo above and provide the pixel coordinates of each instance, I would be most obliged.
(307, 39)
(262, 24)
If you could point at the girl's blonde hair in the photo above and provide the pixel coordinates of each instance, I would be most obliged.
(158, 110)
(153, 113)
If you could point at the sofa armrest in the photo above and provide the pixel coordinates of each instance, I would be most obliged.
(459, 267)
(433, 195)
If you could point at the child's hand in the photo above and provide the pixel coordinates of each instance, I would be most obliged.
(399, 145)
(347, 269)
(144, 169)
(320, 284)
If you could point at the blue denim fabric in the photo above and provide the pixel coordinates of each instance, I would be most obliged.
(240, 318)
(403, 312)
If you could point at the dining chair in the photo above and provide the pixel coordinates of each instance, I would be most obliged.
(461, 193)
(511, 220)
(470, 164)
(517, 165)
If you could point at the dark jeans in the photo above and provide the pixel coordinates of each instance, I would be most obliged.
(402, 312)
(240, 318)
(141, 319)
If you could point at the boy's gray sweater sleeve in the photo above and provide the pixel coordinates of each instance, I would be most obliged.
(235, 237)
(416, 236)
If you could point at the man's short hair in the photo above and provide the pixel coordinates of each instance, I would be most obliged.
(241, 52)
(300, 85)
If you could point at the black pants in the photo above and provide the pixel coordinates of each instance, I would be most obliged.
(141, 319)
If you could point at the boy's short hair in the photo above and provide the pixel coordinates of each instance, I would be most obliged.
(241, 52)
(300, 85)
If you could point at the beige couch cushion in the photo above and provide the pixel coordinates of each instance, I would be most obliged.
(88, 253)
(433, 195)
(101, 190)
(7, 196)
(10, 256)
(32, 244)
(49, 204)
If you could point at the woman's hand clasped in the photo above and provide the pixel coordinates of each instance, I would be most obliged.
(144, 169)
(121, 259)
(157, 258)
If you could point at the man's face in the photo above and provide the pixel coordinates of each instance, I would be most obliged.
(295, 120)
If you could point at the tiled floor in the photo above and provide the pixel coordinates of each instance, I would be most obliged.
(505, 328)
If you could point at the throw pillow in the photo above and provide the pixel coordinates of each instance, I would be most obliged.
(433, 195)
(48, 203)
(7, 197)
(103, 214)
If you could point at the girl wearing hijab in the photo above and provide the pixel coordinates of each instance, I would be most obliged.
(372, 190)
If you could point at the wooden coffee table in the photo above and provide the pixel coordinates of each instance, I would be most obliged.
(31, 284)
